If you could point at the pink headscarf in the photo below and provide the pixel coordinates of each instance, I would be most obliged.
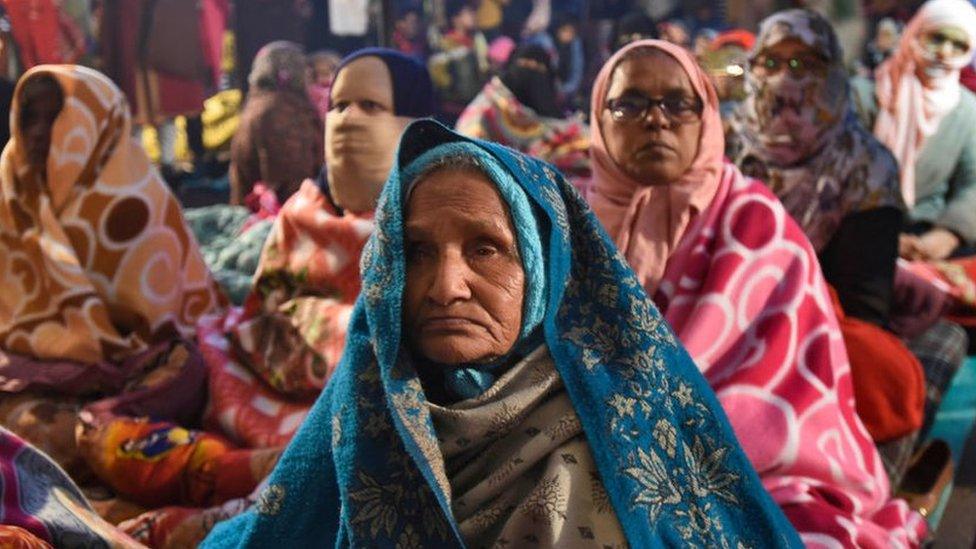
(910, 112)
(647, 219)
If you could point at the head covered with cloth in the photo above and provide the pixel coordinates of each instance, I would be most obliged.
(574, 416)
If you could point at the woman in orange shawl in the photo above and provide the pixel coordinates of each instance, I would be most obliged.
(100, 279)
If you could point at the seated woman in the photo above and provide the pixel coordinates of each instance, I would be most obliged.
(102, 280)
(506, 382)
(279, 140)
(268, 361)
(797, 132)
(519, 109)
(920, 111)
(739, 283)
(292, 329)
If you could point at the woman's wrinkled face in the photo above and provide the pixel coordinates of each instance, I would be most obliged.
(361, 133)
(41, 101)
(658, 144)
(465, 281)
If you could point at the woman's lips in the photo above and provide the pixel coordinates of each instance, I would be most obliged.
(655, 149)
(348, 144)
(448, 323)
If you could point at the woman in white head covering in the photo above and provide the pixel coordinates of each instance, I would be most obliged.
(918, 109)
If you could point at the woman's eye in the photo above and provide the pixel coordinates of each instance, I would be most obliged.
(416, 252)
(484, 251)
(371, 106)
(339, 106)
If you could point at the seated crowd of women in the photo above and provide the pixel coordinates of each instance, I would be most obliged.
(727, 339)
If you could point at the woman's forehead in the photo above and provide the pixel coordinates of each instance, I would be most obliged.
(653, 73)
(790, 43)
(450, 184)
(366, 77)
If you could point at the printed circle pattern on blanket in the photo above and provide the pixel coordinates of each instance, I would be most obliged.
(744, 293)
(96, 261)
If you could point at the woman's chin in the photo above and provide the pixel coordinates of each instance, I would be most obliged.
(453, 351)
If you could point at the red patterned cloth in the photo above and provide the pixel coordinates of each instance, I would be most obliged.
(497, 115)
(744, 292)
(241, 406)
(268, 361)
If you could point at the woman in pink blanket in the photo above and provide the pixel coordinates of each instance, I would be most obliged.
(740, 284)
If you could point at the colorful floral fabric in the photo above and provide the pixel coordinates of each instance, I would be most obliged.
(497, 115)
(293, 329)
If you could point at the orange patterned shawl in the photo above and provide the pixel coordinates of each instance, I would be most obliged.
(96, 263)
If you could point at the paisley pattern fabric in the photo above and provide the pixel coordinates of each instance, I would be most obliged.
(840, 168)
(40, 506)
(366, 467)
(95, 263)
(744, 293)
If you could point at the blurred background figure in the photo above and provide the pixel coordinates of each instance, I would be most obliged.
(633, 26)
(279, 141)
(408, 36)
(877, 50)
(571, 58)
(460, 66)
(676, 32)
(322, 66)
(260, 22)
(725, 61)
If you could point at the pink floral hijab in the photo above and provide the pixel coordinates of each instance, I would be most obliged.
(647, 219)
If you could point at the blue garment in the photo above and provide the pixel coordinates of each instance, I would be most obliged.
(358, 472)
(413, 91)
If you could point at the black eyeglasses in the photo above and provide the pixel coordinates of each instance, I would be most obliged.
(798, 65)
(677, 108)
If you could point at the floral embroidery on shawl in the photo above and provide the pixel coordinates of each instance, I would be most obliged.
(384, 488)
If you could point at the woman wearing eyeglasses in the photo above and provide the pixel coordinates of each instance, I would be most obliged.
(738, 281)
(917, 108)
(797, 132)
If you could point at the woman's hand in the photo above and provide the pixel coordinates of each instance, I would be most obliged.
(934, 245)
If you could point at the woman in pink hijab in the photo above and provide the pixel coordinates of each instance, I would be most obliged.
(740, 284)
(919, 109)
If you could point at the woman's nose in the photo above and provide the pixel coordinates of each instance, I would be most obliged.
(450, 280)
(657, 117)
(946, 50)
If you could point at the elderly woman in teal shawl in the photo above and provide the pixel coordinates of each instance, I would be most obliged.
(506, 381)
